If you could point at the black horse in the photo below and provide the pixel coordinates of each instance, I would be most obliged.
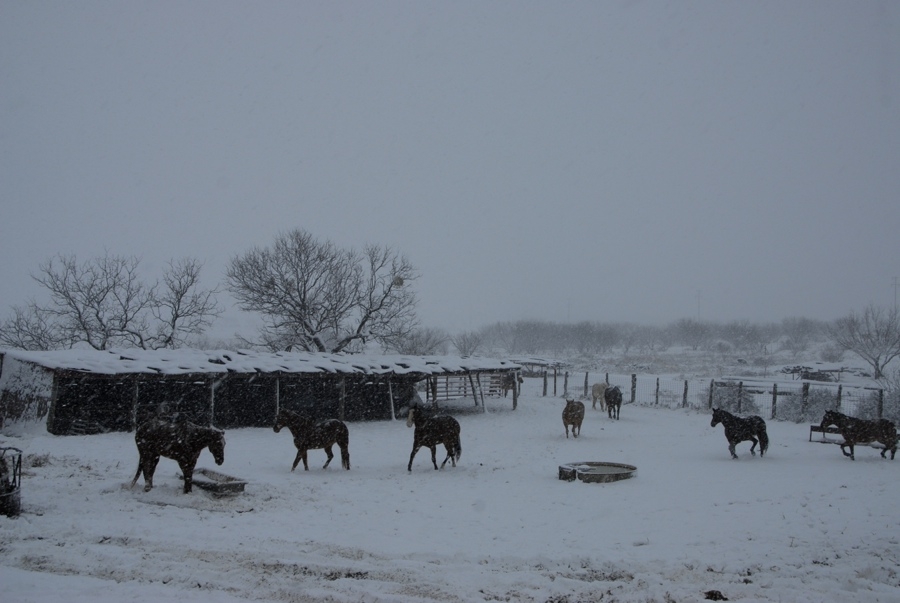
(860, 431)
(613, 398)
(431, 431)
(739, 430)
(182, 442)
(309, 435)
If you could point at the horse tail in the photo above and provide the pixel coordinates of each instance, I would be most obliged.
(457, 442)
(763, 438)
(343, 442)
(138, 474)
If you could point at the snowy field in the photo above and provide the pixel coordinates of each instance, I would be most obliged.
(801, 524)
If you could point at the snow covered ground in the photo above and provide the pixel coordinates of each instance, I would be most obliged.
(801, 524)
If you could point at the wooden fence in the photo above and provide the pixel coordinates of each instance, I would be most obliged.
(791, 400)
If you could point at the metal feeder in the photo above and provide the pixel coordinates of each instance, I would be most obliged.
(10, 481)
(596, 472)
(218, 483)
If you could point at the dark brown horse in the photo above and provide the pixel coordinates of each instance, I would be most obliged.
(742, 429)
(183, 442)
(431, 431)
(573, 414)
(613, 398)
(309, 435)
(860, 431)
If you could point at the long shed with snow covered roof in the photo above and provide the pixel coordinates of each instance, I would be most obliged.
(83, 391)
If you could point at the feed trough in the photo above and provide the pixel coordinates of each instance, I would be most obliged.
(596, 472)
(10, 481)
(218, 483)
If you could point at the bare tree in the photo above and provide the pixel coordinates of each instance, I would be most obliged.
(180, 307)
(422, 342)
(874, 335)
(468, 343)
(103, 303)
(315, 296)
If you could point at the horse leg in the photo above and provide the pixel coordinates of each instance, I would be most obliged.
(330, 456)
(434, 456)
(449, 456)
(753, 446)
(187, 470)
(412, 455)
(566, 425)
(731, 446)
(297, 459)
(149, 470)
(850, 454)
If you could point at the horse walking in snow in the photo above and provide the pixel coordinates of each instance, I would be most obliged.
(431, 431)
(739, 430)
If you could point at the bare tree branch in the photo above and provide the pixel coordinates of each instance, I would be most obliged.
(874, 335)
(315, 296)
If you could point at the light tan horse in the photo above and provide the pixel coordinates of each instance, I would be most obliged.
(597, 393)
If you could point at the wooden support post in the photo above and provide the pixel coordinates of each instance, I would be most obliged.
(555, 376)
(740, 403)
(545, 384)
(516, 391)
(712, 389)
(657, 391)
(474, 391)
(684, 397)
(633, 387)
(774, 399)
(880, 403)
(391, 398)
(805, 399)
(566, 383)
(839, 393)
(585, 384)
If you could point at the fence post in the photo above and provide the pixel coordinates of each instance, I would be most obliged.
(840, 391)
(585, 383)
(607, 378)
(545, 383)
(712, 387)
(633, 387)
(555, 375)
(881, 403)
(684, 397)
(740, 396)
(774, 398)
(566, 384)
(805, 399)
(657, 391)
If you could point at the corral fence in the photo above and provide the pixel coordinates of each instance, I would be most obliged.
(789, 401)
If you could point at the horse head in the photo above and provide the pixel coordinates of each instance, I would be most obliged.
(411, 417)
(716, 417)
(217, 446)
(830, 418)
(281, 419)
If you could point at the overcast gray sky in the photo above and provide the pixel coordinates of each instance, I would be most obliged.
(603, 161)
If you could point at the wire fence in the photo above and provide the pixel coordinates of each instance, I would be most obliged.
(797, 401)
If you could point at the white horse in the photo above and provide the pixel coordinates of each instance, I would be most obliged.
(598, 391)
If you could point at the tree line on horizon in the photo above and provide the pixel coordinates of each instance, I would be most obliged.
(315, 296)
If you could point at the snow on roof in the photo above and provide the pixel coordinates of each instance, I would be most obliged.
(187, 361)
